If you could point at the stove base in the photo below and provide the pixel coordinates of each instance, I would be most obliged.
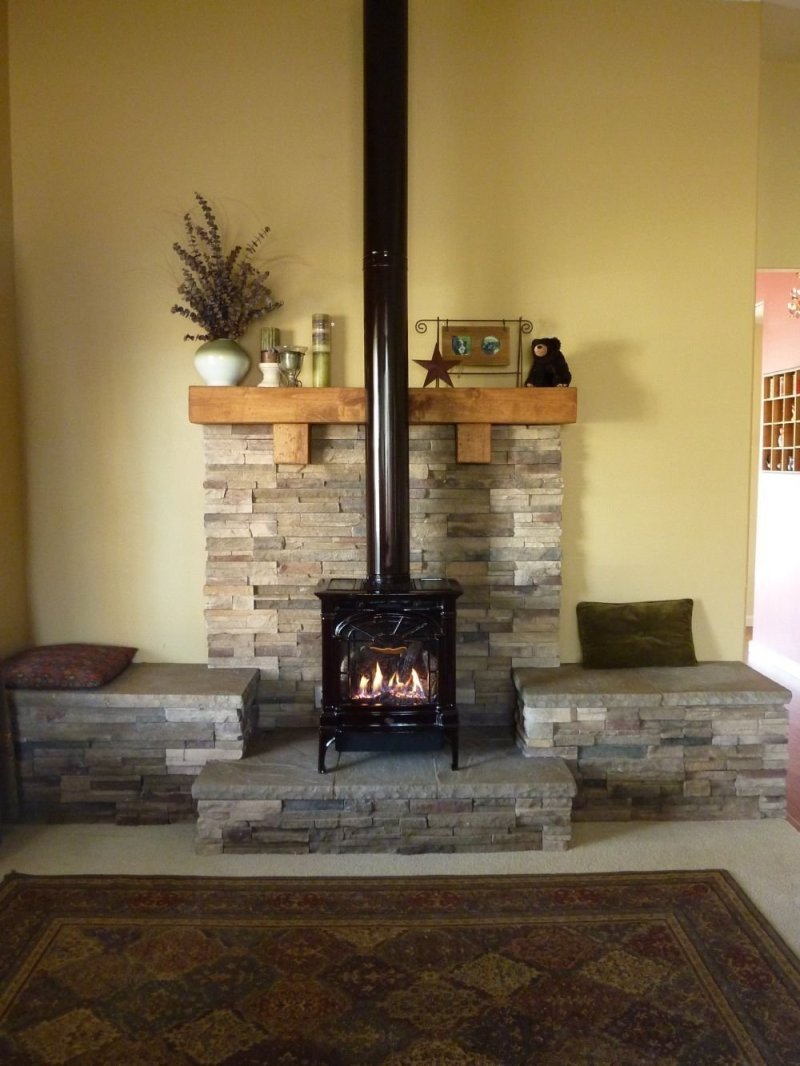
(418, 740)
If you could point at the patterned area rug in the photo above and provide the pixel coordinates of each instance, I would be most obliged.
(670, 968)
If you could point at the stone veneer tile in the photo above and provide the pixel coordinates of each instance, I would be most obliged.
(495, 528)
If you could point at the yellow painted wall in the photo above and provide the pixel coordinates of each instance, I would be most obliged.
(779, 188)
(14, 631)
(589, 164)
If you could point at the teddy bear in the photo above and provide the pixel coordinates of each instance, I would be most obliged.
(549, 368)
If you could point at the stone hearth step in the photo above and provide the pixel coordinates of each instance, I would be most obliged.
(129, 751)
(699, 742)
(275, 801)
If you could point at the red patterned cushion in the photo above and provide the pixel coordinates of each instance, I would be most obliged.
(66, 666)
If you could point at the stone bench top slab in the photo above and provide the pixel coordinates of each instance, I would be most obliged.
(707, 684)
(286, 768)
(162, 684)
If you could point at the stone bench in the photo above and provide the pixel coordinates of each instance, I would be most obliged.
(696, 742)
(130, 751)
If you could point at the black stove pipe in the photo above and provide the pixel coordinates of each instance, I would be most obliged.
(385, 292)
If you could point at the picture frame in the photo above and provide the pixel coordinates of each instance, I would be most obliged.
(477, 345)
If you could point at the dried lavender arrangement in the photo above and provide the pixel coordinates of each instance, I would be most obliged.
(222, 292)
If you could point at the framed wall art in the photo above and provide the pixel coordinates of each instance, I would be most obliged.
(477, 345)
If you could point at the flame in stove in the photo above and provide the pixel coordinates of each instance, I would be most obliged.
(396, 689)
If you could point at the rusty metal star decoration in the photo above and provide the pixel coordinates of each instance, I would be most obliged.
(438, 368)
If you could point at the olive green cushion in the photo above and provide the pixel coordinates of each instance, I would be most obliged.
(650, 633)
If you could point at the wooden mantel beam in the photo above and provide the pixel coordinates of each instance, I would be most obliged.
(218, 405)
(477, 408)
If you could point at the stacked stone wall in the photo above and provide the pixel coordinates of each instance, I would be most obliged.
(274, 531)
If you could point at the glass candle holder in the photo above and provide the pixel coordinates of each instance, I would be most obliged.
(290, 359)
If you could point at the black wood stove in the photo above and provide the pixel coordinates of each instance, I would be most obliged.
(388, 642)
(388, 667)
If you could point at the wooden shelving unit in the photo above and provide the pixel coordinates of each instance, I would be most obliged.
(780, 433)
(472, 410)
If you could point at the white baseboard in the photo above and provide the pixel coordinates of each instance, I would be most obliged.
(769, 661)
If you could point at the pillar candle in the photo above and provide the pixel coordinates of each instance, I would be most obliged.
(321, 350)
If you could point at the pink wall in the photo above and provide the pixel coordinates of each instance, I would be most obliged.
(781, 343)
(776, 599)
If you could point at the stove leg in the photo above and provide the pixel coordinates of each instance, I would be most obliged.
(325, 739)
(452, 735)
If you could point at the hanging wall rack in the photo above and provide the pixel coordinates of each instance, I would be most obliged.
(494, 344)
